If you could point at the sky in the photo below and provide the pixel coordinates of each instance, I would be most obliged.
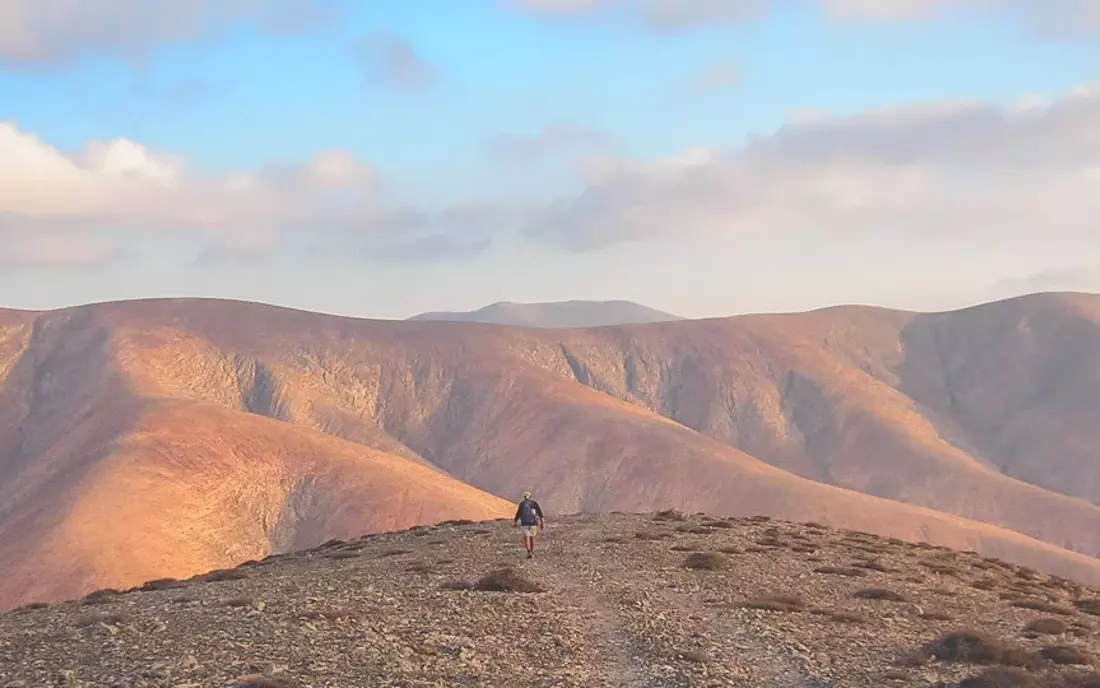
(381, 158)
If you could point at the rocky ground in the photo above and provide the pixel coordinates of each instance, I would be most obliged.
(614, 600)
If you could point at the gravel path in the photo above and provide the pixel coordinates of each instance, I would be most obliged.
(619, 609)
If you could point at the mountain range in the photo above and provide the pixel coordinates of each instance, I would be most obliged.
(163, 438)
(563, 314)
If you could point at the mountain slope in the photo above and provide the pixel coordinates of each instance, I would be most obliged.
(686, 415)
(768, 604)
(565, 314)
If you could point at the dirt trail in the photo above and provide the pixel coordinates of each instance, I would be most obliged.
(640, 629)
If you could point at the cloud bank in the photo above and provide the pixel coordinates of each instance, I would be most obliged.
(948, 168)
(50, 32)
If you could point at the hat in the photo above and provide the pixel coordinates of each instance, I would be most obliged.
(526, 495)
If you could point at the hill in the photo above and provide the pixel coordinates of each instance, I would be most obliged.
(166, 437)
(610, 600)
(565, 314)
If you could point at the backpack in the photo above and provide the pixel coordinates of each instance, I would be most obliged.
(527, 513)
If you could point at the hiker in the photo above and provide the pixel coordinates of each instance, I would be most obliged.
(529, 518)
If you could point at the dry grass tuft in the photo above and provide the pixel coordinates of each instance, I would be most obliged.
(881, 594)
(507, 579)
(669, 515)
(777, 603)
(101, 596)
(1043, 606)
(222, 575)
(342, 554)
(685, 548)
(841, 571)
(394, 553)
(1088, 606)
(840, 616)
(651, 535)
(936, 616)
(1065, 654)
(457, 585)
(984, 584)
(260, 681)
(1047, 627)
(974, 647)
(705, 561)
(162, 584)
(693, 656)
(874, 565)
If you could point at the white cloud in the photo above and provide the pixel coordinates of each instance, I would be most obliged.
(80, 208)
(36, 32)
(949, 168)
(1053, 17)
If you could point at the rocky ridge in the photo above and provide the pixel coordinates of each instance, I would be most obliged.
(610, 600)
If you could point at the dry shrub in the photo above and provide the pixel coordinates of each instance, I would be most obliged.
(457, 522)
(730, 550)
(753, 549)
(814, 525)
(841, 571)
(770, 542)
(615, 540)
(669, 515)
(394, 553)
(1043, 606)
(239, 602)
(1003, 677)
(222, 575)
(874, 565)
(975, 647)
(777, 603)
(260, 681)
(1080, 680)
(651, 535)
(941, 569)
(840, 616)
(1025, 573)
(946, 592)
(342, 554)
(162, 584)
(1088, 606)
(803, 549)
(32, 606)
(101, 596)
(1047, 626)
(694, 656)
(684, 548)
(705, 561)
(759, 518)
(436, 543)
(420, 567)
(506, 579)
(936, 616)
(1065, 654)
(694, 530)
(456, 585)
(881, 594)
(479, 531)
(717, 524)
(984, 584)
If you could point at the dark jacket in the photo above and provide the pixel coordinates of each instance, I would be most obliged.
(529, 513)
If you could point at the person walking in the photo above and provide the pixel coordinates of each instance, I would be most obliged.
(529, 519)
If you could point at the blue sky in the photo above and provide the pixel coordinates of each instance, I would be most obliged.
(566, 134)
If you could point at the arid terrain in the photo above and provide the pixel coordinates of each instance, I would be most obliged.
(163, 438)
(658, 600)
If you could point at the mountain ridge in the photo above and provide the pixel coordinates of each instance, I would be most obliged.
(796, 414)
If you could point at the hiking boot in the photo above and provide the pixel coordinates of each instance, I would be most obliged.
(530, 555)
